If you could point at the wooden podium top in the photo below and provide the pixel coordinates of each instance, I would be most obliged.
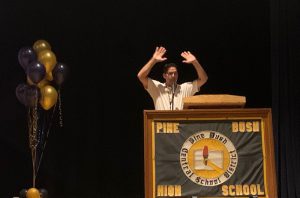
(214, 101)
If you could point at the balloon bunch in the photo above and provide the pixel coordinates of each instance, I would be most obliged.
(40, 94)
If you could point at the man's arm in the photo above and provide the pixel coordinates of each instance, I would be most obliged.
(156, 57)
(191, 59)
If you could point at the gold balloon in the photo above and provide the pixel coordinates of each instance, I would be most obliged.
(48, 59)
(33, 193)
(41, 45)
(43, 83)
(49, 76)
(48, 97)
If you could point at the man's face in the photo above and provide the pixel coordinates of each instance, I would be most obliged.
(171, 76)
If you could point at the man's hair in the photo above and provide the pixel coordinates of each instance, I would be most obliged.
(168, 65)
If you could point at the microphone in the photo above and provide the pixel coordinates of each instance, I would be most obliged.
(174, 85)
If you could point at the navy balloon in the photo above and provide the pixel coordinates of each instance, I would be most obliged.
(60, 72)
(20, 92)
(26, 55)
(36, 71)
(22, 193)
(43, 193)
(32, 95)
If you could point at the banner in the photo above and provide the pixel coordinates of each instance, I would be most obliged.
(208, 158)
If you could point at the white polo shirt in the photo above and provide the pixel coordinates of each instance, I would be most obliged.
(162, 95)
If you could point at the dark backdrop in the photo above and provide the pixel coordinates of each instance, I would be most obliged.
(99, 150)
(285, 60)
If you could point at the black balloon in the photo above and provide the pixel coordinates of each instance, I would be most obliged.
(60, 73)
(36, 71)
(32, 95)
(22, 193)
(20, 92)
(26, 55)
(43, 193)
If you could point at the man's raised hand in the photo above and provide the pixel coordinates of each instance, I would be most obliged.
(188, 56)
(159, 53)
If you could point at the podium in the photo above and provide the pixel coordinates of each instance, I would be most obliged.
(214, 101)
(209, 152)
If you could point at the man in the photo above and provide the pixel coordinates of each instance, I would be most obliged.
(169, 95)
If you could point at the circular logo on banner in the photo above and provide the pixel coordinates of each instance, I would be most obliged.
(208, 158)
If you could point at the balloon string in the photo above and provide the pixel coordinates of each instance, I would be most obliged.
(60, 109)
(47, 134)
(33, 153)
(33, 142)
(30, 129)
(42, 138)
(29, 126)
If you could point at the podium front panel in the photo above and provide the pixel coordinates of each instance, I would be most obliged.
(209, 153)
